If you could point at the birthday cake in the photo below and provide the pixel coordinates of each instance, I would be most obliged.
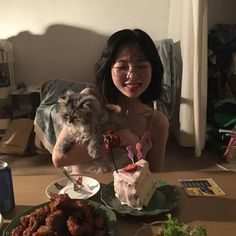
(134, 185)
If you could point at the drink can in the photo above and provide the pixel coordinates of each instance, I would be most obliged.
(7, 201)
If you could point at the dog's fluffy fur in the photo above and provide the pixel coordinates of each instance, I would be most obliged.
(87, 120)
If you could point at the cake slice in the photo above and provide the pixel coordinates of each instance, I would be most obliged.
(134, 185)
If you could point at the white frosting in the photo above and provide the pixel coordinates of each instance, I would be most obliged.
(134, 188)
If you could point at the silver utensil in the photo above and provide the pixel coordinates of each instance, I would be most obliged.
(75, 186)
(59, 186)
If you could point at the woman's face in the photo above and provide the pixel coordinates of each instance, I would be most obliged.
(131, 72)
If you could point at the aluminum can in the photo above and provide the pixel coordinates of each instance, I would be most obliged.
(7, 200)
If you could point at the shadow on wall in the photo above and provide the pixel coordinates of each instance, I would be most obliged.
(63, 52)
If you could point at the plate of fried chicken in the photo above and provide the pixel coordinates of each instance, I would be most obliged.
(64, 216)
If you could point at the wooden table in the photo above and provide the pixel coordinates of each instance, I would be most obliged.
(218, 214)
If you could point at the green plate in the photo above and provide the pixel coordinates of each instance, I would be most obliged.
(164, 199)
(110, 216)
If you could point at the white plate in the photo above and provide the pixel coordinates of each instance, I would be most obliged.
(89, 187)
(1, 220)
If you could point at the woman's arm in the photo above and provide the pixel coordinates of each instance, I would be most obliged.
(159, 135)
(76, 155)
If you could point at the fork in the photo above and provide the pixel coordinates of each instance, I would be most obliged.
(76, 188)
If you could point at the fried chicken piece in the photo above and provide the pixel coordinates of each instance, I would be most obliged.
(18, 231)
(62, 201)
(37, 218)
(31, 222)
(56, 221)
(44, 230)
(25, 220)
(27, 232)
(43, 211)
(78, 225)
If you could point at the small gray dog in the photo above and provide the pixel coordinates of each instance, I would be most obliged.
(87, 120)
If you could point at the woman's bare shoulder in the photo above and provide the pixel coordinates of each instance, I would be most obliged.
(89, 91)
(160, 120)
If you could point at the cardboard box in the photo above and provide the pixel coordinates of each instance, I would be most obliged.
(17, 137)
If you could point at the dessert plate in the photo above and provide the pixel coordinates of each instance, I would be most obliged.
(164, 199)
(89, 187)
(109, 215)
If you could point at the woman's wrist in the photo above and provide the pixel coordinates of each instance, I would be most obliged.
(128, 138)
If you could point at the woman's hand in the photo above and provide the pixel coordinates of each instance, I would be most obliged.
(128, 138)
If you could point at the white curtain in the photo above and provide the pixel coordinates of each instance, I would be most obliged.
(188, 25)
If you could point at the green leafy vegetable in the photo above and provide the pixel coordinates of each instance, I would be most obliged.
(173, 227)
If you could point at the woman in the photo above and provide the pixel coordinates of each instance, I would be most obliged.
(129, 74)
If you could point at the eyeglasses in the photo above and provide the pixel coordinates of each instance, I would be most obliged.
(124, 70)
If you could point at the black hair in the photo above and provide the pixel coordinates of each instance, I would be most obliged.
(104, 84)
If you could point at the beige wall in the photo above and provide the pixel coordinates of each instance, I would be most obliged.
(63, 38)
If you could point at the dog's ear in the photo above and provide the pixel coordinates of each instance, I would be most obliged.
(90, 103)
(96, 105)
(88, 106)
(89, 91)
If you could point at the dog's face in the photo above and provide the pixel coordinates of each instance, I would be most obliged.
(77, 108)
